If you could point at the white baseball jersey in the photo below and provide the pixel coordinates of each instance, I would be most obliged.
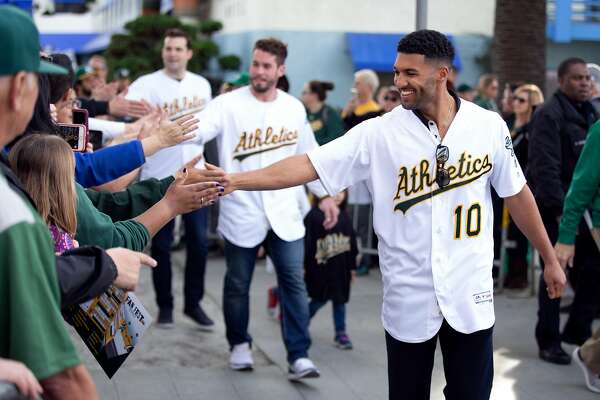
(436, 245)
(252, 134)
(177, 98)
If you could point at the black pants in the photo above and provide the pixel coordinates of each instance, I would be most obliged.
(468, 365)
(195, 262)
(586, 301)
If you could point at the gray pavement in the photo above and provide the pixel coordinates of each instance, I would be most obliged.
(185, 363)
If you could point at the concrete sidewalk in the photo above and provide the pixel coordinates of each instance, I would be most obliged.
(185, 363)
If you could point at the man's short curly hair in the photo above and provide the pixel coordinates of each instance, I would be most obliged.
(432, 44)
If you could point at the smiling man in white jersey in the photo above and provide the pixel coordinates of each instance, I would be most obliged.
(429, 166)
(177, 92)
(256, 126)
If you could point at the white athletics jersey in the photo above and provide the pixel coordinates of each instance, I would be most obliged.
(436, 246)
(253, 134)
(177, 98)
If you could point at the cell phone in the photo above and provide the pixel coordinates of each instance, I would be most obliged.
(95, 138)
(80, 117)
(75, 135)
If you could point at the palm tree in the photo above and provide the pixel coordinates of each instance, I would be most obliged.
(519, 47)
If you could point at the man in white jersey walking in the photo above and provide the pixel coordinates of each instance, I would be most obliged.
(177, 92)
(429, 166)
(256, 126)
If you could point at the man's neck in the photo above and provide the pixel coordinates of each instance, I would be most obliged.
(441, 111)
(177, 75)
(269, 95)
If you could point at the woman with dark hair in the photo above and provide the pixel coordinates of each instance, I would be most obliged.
(324, 120)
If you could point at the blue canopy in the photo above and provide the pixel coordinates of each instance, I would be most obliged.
(60, 42)
(377, 51)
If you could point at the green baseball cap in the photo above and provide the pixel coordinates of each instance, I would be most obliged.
(242, 80)
(20, 44)
(85, 71)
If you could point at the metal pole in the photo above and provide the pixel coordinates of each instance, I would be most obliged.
(421, 14)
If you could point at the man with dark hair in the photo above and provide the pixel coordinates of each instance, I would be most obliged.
(558, 133)
(177, 92)
(429, 166)
(256, 126)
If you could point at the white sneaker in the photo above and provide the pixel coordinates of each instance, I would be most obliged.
(302, 368)
(592, 381)
(241, 357)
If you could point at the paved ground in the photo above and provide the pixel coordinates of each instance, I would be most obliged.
(184, 363)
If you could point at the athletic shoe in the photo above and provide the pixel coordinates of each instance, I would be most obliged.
(342, 341)
(272, 302)
(241, 357)
(302, 368)
(165, 318)
(198, 315)
(592, 381)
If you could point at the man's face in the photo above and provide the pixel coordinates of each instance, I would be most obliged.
(175, 54)
(363, 90)
(576, 83)
(264, 71)
(91, 82)
(416, 80)
(99, 68)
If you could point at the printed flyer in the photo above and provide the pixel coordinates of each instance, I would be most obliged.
(110, 325)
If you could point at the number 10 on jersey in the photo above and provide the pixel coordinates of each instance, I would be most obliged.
(472, 221)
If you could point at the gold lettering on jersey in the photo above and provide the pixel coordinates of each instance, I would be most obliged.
(414, 183)
(257, 142)
(183, 106)
(330, 246)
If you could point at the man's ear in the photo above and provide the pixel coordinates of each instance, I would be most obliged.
(281, 70)
(443, 72)
(16, 88)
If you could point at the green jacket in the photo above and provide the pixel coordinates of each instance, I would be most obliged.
(104, 218)
(326, 123)
(584, 192)
(33, 331)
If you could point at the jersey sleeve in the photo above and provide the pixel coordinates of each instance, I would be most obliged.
(36, 330)
(344, 161)
(210, 123)
(136, 91)
(507, 177)
(307, 143)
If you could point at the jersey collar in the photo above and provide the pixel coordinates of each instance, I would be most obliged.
(424, 119)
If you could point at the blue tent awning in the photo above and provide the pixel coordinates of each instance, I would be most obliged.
(61, 42)
(377, 51)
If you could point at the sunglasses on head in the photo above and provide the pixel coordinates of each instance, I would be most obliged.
(442, 176)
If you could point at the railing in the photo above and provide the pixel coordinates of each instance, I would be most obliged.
(570, 20)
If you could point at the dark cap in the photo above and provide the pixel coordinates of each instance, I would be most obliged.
(20, 44)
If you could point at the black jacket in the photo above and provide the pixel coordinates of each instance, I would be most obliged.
(558, 132)
(83, 273)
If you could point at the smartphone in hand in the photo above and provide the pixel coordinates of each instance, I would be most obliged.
(75, 135)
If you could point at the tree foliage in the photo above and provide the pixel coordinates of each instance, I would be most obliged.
(139, 50)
